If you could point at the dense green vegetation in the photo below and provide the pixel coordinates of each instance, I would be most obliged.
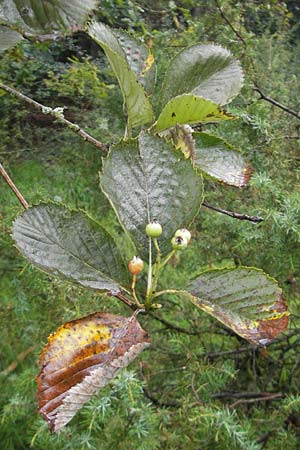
(198, 386)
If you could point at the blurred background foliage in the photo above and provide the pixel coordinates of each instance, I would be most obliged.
(198, 386)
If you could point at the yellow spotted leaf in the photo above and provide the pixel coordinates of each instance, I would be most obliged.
(81, 357)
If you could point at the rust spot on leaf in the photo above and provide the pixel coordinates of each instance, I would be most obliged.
(75, 351)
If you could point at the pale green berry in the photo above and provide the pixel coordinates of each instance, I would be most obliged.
(183, 232)
(154, 229)
(179, 243)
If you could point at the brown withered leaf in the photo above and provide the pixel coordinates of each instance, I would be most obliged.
(81, 357)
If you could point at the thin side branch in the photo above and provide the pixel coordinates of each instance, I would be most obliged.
(126, 301)
(234, 215)
(57, 113)
(239, 36)
(13, 187)
(20, 357)
(276, 103)
(257, 399)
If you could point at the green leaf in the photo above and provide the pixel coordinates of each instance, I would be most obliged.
(69, 243)
(208, 71)
(244, 299)
(147, 179)
(44, 19)
(139, 58)
(139, 109)
(189, 109)
(220, 160)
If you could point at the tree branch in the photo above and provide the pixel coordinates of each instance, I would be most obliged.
(275, 103)
(234, 215)
(20, 357)
(125, 300)
(240, 37)
(13, 187)
(57, 113)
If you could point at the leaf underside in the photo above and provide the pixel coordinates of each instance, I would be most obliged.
(244, 299)
(139, 109)
(182, 138)
(81, 357)
(139, 58)
(49, 18)
(209, 71)
(219, 160)
(147, 179)
(69, 243)
(189, 109)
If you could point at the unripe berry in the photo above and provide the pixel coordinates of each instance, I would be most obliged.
(179, 243)
(136, 265)
(183, 232)
(154, 229)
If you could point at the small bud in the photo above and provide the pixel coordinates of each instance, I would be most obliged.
(136, 265)
(153, 229)
(183, 232)
(179, 243)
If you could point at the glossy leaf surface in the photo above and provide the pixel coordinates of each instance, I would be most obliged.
(244, 299)
(81, 357)
(69, 243)
(189, 109)
(139, 109)
(209, 71)
(46, 19)
(147, 179)
(219, 160)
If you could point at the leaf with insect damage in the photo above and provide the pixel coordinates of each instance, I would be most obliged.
(189, 109)
(244, 299)
(81, 357)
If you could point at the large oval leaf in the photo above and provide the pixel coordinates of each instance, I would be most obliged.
(189, 109)
(139, 109)
(69, 243)
(220, 160)
(42, 18)
(209, 71)
(244, 299)
(148, 179)
(81, 357)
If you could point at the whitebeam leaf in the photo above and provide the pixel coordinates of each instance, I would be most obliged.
(81, 357)
(189, 109)
(139, 58)
(244, 299)
(139, 109)
(69, 243)
(147, 179)
(220, 160)
(208, 71)
(43, 19)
